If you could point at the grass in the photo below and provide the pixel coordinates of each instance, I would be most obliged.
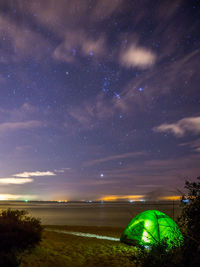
(63, 250)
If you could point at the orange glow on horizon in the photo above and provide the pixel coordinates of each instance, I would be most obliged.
(170, 198)
(62, 200)
(118, 197)
(136, 197)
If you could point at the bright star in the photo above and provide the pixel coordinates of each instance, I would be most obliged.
(101, 175)
(117, 95)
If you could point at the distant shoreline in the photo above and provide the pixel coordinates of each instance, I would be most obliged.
(94, 202)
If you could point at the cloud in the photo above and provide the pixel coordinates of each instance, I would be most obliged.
(104, 8)
(93, 47)
(72, 13)
(155, 171)
(166, 11)
(90, 113)
(83, 117)
(181, 127)
(20, 41)
(195, 145)
(75, 37)
(24, 177)
(15, 126)
(62, 170)
(160, 81)
(34, 174)
(5, 181)
(78, 43)
(22, 113)
(137, 57)
(114, 157)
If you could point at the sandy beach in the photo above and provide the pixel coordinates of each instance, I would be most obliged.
(59, 249)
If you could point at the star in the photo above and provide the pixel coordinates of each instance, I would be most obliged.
(117, 95)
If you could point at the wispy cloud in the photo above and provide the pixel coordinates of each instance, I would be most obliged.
(21, 113)
(62, 170)
(115, 157)
(104, 8)
(53, 15)
(76, 43)
(181, 127)
(15, 126)
(34, 174)
(90, 113)
(22, 40)
(5, 181)
(137, 57)
(159, 172)
(195, 145)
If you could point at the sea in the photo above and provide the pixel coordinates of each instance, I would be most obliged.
(112, 214)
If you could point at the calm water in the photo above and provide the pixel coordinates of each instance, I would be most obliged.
(97, 214)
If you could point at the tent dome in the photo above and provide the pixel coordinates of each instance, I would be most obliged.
(151, 227)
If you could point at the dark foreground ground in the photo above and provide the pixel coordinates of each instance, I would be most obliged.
(64, 250)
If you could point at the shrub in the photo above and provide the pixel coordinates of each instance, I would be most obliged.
(159, 255)
(189, 222)
(17, 233)
(9, 259)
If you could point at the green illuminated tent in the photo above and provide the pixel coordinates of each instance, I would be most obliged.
(151, 227)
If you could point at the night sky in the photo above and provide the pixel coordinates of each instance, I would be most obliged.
(98, 99)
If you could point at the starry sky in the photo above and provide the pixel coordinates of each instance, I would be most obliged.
(99, 99)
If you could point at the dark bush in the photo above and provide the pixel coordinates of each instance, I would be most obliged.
(9, 259)
(158, 255)
(189, 222)
(17, 233)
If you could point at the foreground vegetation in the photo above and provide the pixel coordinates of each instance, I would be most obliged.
(18, 232)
